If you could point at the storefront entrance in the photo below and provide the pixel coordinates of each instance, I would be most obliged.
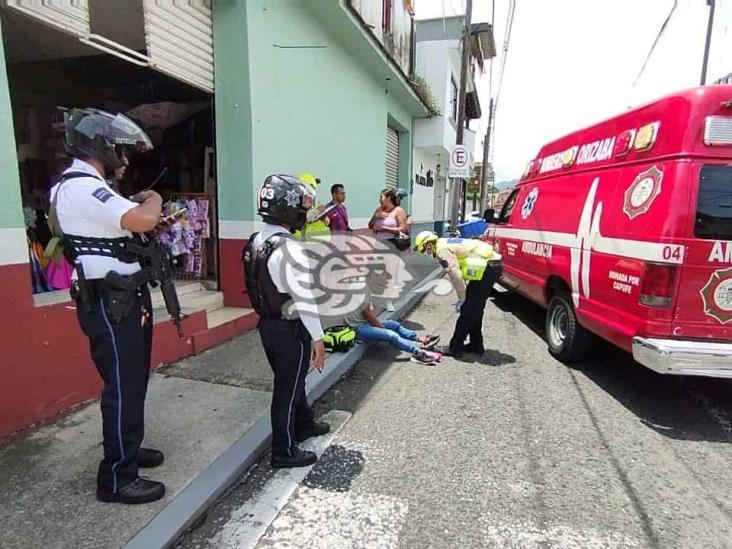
(50, 71)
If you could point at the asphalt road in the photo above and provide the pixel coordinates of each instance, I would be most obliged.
(513, 450)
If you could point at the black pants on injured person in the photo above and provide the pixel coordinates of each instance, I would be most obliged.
(288, 347)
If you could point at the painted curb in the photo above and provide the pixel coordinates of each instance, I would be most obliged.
(185, 508)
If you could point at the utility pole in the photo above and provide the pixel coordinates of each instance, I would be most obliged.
(710, 25)
(486, 150)
(456, 185)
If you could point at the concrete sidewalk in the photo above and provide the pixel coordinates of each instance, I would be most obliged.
(208, 413)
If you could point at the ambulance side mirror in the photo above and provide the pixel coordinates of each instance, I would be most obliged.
(489, 216)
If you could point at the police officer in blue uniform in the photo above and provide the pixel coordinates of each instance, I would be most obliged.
(95, 224)
(289, 343)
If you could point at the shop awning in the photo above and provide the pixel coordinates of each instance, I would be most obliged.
(166, 114)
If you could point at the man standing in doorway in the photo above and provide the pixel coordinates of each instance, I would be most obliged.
(336, 210)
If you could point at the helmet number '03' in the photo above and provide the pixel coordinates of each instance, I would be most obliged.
(266, 193)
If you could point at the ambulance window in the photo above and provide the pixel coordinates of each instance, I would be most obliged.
(508, 206)
(714, 205)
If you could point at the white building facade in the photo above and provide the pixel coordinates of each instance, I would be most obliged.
(437, 60)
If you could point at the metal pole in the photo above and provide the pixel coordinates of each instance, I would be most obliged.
(710, 25)
(486, 149)
(455, 190)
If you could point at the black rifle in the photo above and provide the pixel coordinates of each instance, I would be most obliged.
(157, 268)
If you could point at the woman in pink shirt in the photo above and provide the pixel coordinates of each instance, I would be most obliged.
(389, 219)
(389, 222)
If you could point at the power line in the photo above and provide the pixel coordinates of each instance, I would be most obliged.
(506, 42)
(457, 12)
(655, 42)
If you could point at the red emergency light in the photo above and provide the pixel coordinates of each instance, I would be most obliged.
(623, 143)
(531, 169)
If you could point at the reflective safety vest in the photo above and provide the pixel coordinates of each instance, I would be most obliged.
(472, 255)
(317, 230)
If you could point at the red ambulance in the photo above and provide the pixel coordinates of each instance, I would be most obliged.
(624, 230)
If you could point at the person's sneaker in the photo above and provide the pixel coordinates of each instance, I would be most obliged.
(317, 429)
(298, 458)
(446, 350)
(426, 357)
(148, 458)
(140, 490)
(431, 342)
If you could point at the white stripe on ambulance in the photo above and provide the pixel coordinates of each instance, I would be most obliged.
(588, 239)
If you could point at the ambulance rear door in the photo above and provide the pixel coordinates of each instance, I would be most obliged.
(704, 301)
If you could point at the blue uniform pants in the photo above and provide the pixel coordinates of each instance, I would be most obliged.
(121, 353)
(288, 347)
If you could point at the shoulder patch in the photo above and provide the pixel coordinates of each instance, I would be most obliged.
(102, 194)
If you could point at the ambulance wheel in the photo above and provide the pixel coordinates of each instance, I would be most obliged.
(567, 340)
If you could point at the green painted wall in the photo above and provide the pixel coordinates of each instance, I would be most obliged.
(11, 211)
(233, 110)
(317, 109)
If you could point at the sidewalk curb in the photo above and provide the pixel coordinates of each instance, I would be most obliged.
(185, 508)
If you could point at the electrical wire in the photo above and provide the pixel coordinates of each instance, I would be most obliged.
(655, 42)
(457, 12)
(506, 42)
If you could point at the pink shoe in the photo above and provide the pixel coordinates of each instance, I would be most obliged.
(426, 357)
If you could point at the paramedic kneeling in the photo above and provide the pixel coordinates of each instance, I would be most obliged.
(94, 223)
(284, 202)
(471, 261)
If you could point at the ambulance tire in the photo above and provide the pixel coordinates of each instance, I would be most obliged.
(567, 340)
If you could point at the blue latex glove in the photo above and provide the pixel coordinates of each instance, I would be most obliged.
(458, 306)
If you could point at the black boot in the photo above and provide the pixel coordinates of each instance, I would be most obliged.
(297, 458)
(147, 457)
(315, 430)
(475, 348)
(140, 490)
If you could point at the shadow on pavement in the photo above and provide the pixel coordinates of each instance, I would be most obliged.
(678, 407)
(336, 469)
(491, 357)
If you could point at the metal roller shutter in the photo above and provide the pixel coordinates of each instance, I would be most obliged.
(71, 16)
(179, 37)
(178, 34)
(392, 157)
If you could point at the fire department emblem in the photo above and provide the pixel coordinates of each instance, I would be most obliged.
(717, 295)
(642, 192)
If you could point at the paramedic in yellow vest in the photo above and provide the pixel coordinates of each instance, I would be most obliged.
(473, 267)
(317, 225)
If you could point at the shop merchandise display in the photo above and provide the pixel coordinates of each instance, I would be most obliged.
(185, 236)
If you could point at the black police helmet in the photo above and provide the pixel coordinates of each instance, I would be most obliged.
(91, 133)
(285, 200)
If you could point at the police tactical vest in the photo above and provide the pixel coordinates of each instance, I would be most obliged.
(266, 299)
(72, 246)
